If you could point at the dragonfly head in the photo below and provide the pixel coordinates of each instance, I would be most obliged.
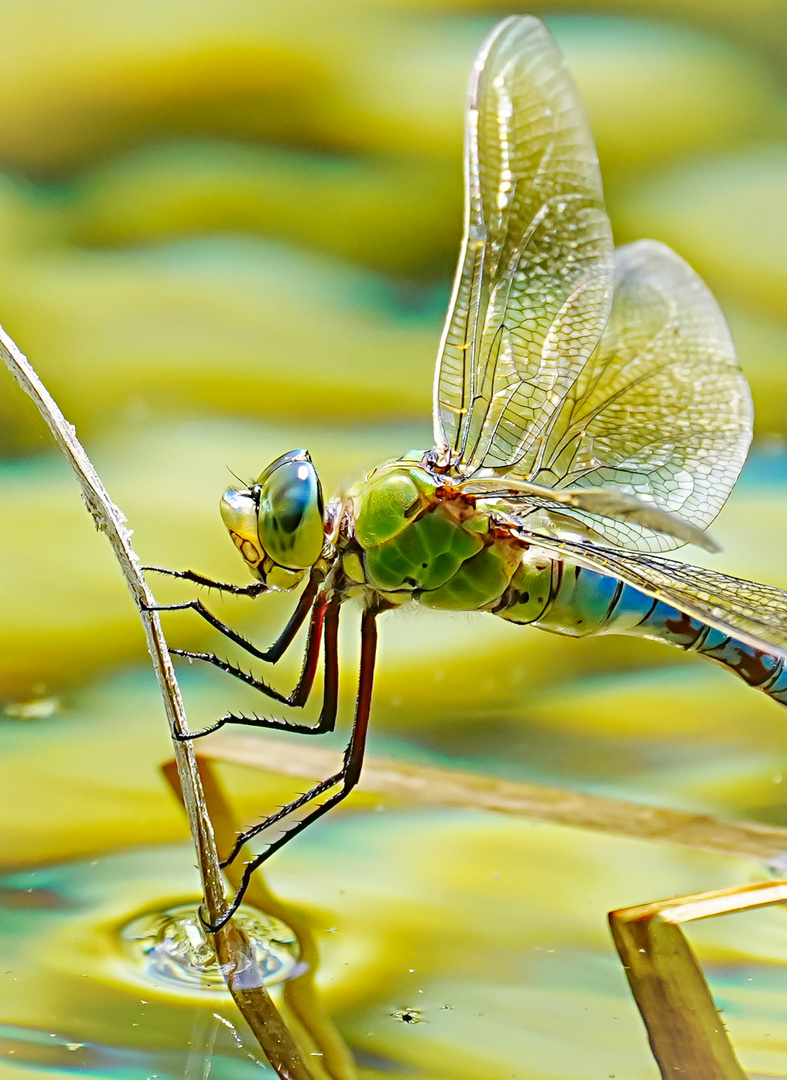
(277, 522)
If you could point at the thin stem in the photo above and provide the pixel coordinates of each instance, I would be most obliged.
(243, 977)
(300, 994)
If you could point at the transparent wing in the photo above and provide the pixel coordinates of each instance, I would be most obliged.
(543, 509)
(534, 283)
(750, 612)
(661, 410)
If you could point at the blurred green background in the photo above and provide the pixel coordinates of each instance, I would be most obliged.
(228, 230)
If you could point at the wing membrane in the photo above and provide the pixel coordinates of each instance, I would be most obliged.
(537, 380)
(547, 506)
(533, 287)
(747, 611)
(661, 411)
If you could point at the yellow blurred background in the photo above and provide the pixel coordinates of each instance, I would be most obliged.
(228, 230)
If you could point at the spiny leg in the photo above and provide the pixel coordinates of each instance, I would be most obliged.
(325, 619)
(254, 589)
(346, 777)
(301, 692)
(275, 651)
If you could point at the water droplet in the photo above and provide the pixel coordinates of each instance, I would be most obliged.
(171, 948)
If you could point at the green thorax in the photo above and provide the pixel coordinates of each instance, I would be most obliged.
(418, 537)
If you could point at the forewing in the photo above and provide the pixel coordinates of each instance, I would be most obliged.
(534, 283)
(743, 609)
(661, 411)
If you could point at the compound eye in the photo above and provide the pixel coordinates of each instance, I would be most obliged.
(290, 522)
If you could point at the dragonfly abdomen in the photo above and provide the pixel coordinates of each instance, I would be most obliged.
(583, 602)
(760, 668)
(559, 596)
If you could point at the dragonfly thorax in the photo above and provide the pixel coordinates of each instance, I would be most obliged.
(416, 536)
(277, 522)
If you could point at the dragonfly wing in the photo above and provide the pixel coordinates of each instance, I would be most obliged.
(606, 502)
(756, 614)
(533, 288)
(661, 411)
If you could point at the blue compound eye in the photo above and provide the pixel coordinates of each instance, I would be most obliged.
(290, 519)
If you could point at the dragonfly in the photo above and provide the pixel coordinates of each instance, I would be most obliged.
(589, 415)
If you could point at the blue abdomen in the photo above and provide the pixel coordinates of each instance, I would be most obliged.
(583, 602)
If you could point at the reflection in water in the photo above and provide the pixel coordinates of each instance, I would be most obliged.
(492, 928)
(171, 948)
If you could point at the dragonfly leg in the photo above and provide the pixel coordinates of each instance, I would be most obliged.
(275, 651)
(254, 589)
(300, 694)
(346, 778)
(325, 618)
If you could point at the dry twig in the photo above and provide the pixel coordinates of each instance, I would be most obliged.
(536, 802)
